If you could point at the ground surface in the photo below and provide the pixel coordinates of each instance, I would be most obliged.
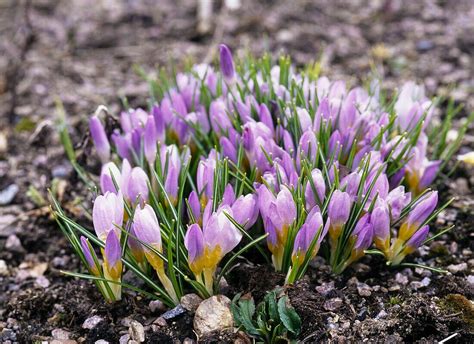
(82, 52)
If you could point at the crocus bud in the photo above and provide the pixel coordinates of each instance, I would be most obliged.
(195, 206)
(363, 235)
(100, 139)
(417, 239)
(380, 220)
(431, 169)
(315, 192)
(305, 236)
(308, 147)
(194, 242)
(245, 210)
(136, 185)
(112, 256)
(397, 199)
(219, 118)
(171, 182)
(89, 256)
(419, 213)
(107, 214)
(227, 62)
(150, 140)
(108, 175)
(283, 212)
(205, 175)
(147, 230)
(338, 211)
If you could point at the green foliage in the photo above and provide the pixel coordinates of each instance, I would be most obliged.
(274, 320)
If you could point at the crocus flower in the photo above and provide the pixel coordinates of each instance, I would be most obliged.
(100, 139)
(245, 210)
(338, 212)
(150, 140)
(205, 176)
(112, 256)
(108, 175)
(305, 236)
(380, 220)
(89, 256)
(227, 63)
(362, 236)
(418, 215)
(315, 191)
(208, 246)
(417, 239)
(135, 185)
(107, 214)
(397, 199)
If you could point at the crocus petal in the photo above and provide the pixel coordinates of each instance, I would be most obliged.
(150, 140)
(146, 226)
(108, 174)
(339, 207)
(423, 209)
(107, 214)
(419, 237)
(227, 62)
(245, 210)
(87, 253)
(194, 242)
(137, 185)
(286, 206)
(100, 139)
(113, 251)
(431, 170)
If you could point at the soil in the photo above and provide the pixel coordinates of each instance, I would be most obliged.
(84, 53)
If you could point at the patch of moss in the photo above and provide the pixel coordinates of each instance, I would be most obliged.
(457, 303)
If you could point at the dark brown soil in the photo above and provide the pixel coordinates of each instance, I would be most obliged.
(83, 53)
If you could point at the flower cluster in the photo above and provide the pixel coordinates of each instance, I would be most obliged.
(259, 152)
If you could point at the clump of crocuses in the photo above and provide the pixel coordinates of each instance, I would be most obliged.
(256, 159)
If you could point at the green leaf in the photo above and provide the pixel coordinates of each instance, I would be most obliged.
(288, 316)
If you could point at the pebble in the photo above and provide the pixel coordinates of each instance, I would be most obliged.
(156, 306)
(325, 288)
(401, 279)
(173, 313)
(136, 331)
(124, 339)
(382, 314)
(13, 244)
(189, 341)
(455, 268)
(42, 281)
(213, 314)
(7, 195)
(59, 333)
(333, 304)
(101, 341)
(470, 279)
(362, 314)
(160, 321)
(92, 322)
(3, 268)
(364, 289)
(424, 45)
(191, 302)
(426, 281)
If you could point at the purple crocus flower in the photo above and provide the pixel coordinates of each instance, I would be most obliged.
(312, 198)
(89, 256)
(147, 230)
(418, 215)
(100, 139)
(194, 242)
(219, 118)
(380, 220)
(308, 147)
(305, 236)
(112, 256)
(417, 239)
(195, 206)
(108, 174)
(227, 63)
(397, 199)
(150, 140)
(107, 214)
(338, 212)
(245, 210)
(135, 185)
(363, 234)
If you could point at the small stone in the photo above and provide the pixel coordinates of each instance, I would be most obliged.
(213, 314)
(173, 313)
(189, 341)
(156, 306)
(13, 244)
(191, 302)
(160, 321)
(101, 341)
(361, 268)
(364, 289)
(333, 304)
(426, 281)
(92, 322)
(470, 279)
(424, 45)
(7, 195)
(456, 268)
(401, 279)
(124, 339)
(362, 314)
(382, 315)
(59, 333)
(136, 331)
(42, 281)
(325, 288)
(3, 268)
